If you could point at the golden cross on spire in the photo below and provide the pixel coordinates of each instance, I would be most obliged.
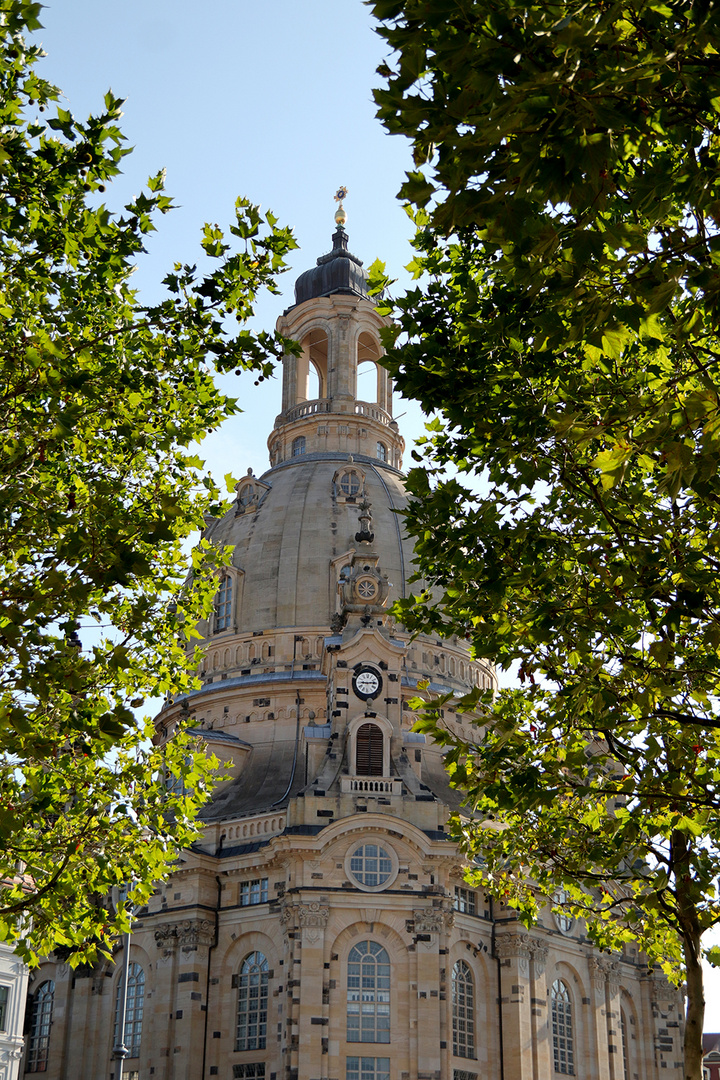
(340, 215)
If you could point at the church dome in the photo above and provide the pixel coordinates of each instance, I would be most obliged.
(337, 272)
(303, 611)
(297, 522)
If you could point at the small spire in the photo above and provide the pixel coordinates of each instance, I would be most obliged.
(340, 214)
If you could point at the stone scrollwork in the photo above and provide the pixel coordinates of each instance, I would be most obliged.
(189, 933)
(193, 932)
(432, 920)
(288, 916)
(166, 936)
(604, 970)
(313, 915)
(539, 954)
(514, 945)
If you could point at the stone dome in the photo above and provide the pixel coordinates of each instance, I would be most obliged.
(337, 272)
(295, 527)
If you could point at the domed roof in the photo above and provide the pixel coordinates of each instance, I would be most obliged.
(286, 543)
(338, 272)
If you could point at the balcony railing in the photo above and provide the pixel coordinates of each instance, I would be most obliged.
(371, 785)
(322, 405)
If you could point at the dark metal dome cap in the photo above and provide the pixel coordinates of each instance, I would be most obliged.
(338, 272)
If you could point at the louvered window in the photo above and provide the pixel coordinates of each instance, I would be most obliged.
(369, 751)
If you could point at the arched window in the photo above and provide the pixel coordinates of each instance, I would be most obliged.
(624, 1045)
(40, 1022)
(381, 452)
(252, 1003)
(562, 1029)
(223, 604)
(247, 495)
(134, 1011)
(350, 483)
(298, 446)
(463, 1011)
(369, 744)
(368, 993)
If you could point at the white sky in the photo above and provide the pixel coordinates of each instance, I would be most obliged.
(271, 100)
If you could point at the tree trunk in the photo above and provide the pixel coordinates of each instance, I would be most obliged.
(690, 933)
(695, 1015)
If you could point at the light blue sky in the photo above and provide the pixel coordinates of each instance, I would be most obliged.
(271, 100)
(265, 98)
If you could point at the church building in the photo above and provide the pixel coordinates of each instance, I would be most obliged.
(321, 928)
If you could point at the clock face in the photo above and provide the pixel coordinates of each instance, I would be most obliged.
(366, 683)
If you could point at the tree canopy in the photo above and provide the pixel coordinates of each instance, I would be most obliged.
(101, 400)
(565, 329)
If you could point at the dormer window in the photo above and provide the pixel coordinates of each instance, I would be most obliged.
(223, 605)
(381, 452)
(247, 495)
(298, 446)
(350, 483)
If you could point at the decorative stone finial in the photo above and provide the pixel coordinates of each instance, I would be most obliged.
(365, 535)
(340, 215)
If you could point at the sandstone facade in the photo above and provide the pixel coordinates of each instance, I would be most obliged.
(322, 928)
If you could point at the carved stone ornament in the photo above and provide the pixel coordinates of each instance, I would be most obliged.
(166, 936)
(514, 945)
(363, 586)
(539, 955)
(604, 970)
(432, 920)
(315, 915)
(196, 932)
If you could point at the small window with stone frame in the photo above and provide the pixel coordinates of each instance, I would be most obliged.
(367, 1068)
(254, 892)
(223, 605)
(465, 901)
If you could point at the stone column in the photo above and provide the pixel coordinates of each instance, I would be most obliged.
(292, 960)
(341, 365)
(289, 387)
(514, 952)
(540, 1027)
(445, 981)
(429, 924)
(161, 1054)
(667, 1011)
(312, 1020)
(195, 936)
(612, 1012)
(599, 1026)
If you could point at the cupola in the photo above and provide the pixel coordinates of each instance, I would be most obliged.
(338, 328)
(338, 272)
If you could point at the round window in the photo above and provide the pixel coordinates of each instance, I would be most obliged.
(367, 589)
(247, 495)
(372, 866)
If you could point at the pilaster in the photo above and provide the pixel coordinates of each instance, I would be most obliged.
(514, 952)
(600, 969)
(161, 1053)
(540, 1028)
